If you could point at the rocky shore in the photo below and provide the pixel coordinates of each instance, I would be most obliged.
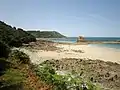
(99, 65)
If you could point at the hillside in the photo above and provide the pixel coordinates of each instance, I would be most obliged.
(14, 37)
(46, 34)
(16, 69)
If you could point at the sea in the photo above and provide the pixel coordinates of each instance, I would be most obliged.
(109, 45)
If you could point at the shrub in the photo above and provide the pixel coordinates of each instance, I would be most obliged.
(3, 65)
(63, 82)
(12, 79)
(47, 74)
(4, 50)
(14, 37)
(15, 43)
(19, 57)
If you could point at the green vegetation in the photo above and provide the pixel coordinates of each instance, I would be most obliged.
(46, 34)
(17, 72)
(15, 66)
(13, 76)
(19, 57)
(63, 82)
(4, 50)
(12, 63)
(14, 37)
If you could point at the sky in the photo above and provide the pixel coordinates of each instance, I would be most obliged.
(90, 18)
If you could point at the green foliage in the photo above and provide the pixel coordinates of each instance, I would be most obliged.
(46, 34)
(48, 75)
(62, 82)
(12, 76)
(12, 80)
(4, 65)
(19, 57)
(92, 86)
(4, 50)
(14, 37)
(15, 42)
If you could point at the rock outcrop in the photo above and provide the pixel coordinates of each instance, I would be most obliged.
(80, 39)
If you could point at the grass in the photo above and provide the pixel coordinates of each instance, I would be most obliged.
(12, 76)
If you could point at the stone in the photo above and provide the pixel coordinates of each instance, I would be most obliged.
(80, 39)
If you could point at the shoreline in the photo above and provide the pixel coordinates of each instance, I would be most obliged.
(65, 50)
(99, 64)
(80, 42)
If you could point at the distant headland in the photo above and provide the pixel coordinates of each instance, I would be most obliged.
(46, 34)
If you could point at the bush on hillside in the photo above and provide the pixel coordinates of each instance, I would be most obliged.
(12, 80)
(4, 65)
(19, 57)
(15, 43)
(4, 50)
(14, 37)
(11, 75)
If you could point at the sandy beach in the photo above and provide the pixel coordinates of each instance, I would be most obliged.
(99, 64)
(74, 51)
